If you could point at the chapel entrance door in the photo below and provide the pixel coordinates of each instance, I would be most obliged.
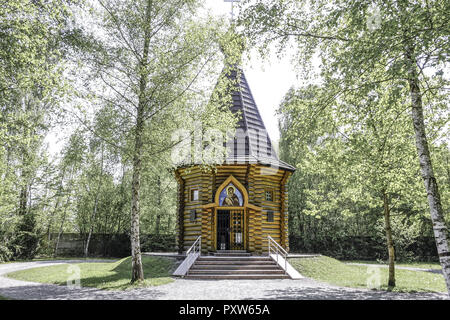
(230, 229)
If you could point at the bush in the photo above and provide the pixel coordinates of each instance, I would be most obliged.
(113, 245)
(5, 253)
(365, 248)
(27, 240)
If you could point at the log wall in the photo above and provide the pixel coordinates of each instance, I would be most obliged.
(257, 179)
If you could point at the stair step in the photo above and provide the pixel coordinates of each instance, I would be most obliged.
(240, 263)
(232, 254)
(228, 258)
(237, 277)
(233, 266)
(227, 272)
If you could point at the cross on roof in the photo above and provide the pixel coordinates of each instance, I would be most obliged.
(232, 5)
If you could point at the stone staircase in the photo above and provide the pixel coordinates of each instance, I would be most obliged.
(234, 264)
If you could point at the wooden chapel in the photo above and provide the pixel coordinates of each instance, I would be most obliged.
(245, 199)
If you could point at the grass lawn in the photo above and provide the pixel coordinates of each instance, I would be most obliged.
(422, 265)
(103, 275)
(332, 271)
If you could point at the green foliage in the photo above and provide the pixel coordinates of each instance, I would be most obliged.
(52, 62)
(347, 155)
(351, 136)
(31, 88)
(27, 238)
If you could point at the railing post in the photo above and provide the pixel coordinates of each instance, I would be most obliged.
(285, 263)
(277, 254)
(278, 250)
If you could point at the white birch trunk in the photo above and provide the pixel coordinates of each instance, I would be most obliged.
(433, 196)
(137, 272)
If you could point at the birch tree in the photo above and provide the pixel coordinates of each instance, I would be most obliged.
(362, 157)
(149, 58)
(31, 87)
(407, 40)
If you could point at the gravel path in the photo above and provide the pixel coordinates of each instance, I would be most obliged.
(180, 289)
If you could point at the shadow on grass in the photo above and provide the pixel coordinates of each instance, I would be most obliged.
(157, 271)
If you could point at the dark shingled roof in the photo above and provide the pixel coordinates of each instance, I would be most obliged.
(252, 143)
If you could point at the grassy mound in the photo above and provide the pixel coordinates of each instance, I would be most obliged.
(103, 275)
(332, 271)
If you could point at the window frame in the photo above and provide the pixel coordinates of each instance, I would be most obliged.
(272, 194)
(193, 215)
(191, 194)
(270, 216)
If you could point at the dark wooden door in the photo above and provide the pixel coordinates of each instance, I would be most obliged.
(223, 230)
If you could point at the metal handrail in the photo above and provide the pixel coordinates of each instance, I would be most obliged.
(196, 245)
(191, 255)
(277, 250)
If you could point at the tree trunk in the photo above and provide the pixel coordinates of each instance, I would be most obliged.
(137, 272)
(434, 199)
(158, 223)
(390, 243)
(94, 214)
(50, 223)
(91, 229)
(448, 171)
(136, 260)
(169, 224)
(23, 200)
(158, 205)
(61, 228)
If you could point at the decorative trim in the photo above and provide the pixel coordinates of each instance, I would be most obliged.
(214, 205)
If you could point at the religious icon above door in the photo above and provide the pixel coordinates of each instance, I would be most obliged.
(230, 197)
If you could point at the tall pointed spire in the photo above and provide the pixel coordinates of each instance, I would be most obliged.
(252, 143)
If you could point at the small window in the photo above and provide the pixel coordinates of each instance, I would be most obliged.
(194, 194)
(269, 195)
(193, 215)
(269, 216)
